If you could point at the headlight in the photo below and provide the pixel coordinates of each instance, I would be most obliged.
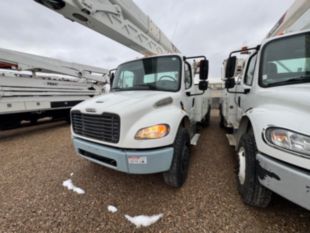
(289, 140)
(153, 132)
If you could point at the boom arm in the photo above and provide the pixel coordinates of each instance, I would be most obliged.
(27, 62)
(120, 20)
(295, 19)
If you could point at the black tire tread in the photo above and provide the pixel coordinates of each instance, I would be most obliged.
(173, 177)
(222, 123)
(252, 192)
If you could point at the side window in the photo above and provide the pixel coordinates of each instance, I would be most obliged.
(126, 80)
(188, 76)
(248, 80)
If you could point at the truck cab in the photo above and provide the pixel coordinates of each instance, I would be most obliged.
(270, 129)
(149, 119)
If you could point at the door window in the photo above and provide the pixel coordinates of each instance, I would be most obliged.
(248, 80)
(188, 76)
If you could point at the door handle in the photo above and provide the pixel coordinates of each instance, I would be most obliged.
(239, 101)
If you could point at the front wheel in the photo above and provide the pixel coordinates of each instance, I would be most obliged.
(177, 174)
(251, 191)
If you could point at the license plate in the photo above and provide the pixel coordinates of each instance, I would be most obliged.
(137, 160)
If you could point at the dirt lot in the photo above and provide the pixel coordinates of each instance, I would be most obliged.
(35, 161)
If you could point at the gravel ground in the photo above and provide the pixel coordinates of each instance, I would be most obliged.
(35, 161)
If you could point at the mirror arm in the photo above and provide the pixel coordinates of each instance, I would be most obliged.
(189, 94)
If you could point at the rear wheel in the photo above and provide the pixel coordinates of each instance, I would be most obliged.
(251, 191)
(222, 122)
(33, 120)
(68, 118)
(177, 174)
(206, 121)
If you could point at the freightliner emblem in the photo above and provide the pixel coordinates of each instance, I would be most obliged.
(90, 110)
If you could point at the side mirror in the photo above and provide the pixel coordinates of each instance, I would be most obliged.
(204, 69)
(230, 67)
(230, 83)
(203, 85)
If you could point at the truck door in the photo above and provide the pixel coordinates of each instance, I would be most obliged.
(188, 100)
(242, 99)
(231, 108)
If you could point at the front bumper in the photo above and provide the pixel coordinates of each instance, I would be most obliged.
(128, 161)
(286, 180)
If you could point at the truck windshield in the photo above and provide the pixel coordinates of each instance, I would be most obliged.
(158, 73)
(286, 61)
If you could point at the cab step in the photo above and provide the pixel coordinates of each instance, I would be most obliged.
(195, 139)
(231, 139)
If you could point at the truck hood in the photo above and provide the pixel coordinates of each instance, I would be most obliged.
(123, 102)
(293, 96)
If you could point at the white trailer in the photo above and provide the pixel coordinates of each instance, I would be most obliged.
(149, 120)
(268, 112)
(33, 87)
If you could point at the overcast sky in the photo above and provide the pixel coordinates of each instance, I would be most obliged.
(196, 27)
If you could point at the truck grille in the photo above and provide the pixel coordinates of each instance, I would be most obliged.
(105, 127)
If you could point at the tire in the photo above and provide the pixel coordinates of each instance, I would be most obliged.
(251, 191)
(13, 124)
(68, 118)
(177, 174)
(206, 120)
(33, 120)
(222, 121)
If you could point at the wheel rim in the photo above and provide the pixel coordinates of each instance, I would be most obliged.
(242, 165)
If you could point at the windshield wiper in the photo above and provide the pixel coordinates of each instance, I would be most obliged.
(297, 79)
(136, 87)
(147, 86)
(116, 89)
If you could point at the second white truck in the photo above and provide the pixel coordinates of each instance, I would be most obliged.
(266, 108)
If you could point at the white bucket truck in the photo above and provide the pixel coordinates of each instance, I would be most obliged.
(33, 87)
(148, 121)
(268, 110)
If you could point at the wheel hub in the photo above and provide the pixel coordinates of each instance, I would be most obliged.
(242, 165)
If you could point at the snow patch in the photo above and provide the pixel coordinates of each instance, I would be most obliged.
(143, 220)
(72, 174)
(112, 209)
(70, 186)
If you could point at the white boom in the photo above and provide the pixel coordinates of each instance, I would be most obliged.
(28, 62)
(295, 19)
(121, 20)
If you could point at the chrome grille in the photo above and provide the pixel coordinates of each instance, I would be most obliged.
(104, 127)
